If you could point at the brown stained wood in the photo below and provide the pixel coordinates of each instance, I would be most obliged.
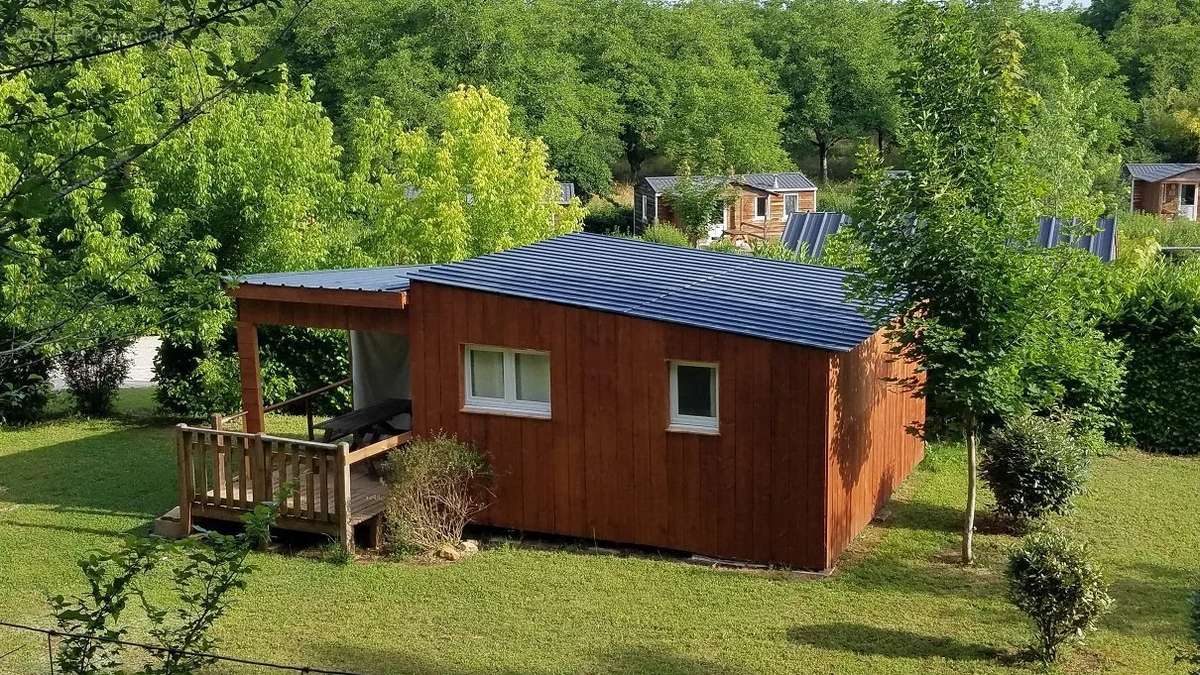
(605, 466)
(247, 448)
(183, 466)
(251, 378)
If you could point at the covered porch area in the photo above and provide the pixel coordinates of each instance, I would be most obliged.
(332, 478)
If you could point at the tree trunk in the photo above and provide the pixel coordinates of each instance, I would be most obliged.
(880, 143)
(823, 153)
(972, 434)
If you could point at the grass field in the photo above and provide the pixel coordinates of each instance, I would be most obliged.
(898, 602)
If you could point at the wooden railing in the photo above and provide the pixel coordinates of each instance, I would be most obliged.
(223, 474)
(219, 421)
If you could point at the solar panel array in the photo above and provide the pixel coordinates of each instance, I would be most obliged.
(807, 233)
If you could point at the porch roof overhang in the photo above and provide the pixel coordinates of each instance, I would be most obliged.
(376, 287)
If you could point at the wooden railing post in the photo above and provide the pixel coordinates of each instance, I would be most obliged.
(217, 422)
(261, 470)
(184, 461)
(341, 495)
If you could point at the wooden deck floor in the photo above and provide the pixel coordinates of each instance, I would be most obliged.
(368, 498)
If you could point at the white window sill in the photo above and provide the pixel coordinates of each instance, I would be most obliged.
(692, 429)
(505, 412)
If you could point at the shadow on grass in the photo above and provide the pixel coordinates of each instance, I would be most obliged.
(874, 641)
(627, 661)
(126, 472)
(1151, 599)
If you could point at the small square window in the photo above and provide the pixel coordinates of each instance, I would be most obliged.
(512, 381)
(760, 207)
(789, 204)
(693, 397)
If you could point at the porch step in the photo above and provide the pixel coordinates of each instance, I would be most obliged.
(168, 525)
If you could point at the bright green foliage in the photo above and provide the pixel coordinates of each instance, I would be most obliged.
(1158, 320)
(772, 249)
(697, 202)
(662, 233)
(204, 570)
(1053, 580)
(260, 174)
(1067, 161)
(1034, 466)
(474, 188)
(984, 314)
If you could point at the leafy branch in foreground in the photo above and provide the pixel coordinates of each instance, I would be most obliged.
(205, 570)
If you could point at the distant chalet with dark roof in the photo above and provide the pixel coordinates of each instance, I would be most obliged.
(760, 208)
(1168, 189)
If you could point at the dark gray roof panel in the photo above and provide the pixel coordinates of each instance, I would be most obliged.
(769, 299)
(807, 232)
(381, 279)
(1158, 172)
(771, 182)
(1101, 242)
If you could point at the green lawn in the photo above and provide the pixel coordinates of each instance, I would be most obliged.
(898, 602)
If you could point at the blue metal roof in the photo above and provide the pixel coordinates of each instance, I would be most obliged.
(1101, 242)
(806, 232)
(1158, 172)
(784, 181)
(768, 299)
(381, 279)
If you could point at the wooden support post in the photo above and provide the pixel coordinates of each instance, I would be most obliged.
(248, 366)
(308, 413)
(184, 462)
(217, 422)
(341, 495)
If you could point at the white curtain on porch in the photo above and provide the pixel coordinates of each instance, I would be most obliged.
(379, 366)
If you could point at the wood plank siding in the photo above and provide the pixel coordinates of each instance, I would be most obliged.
(604, 466)
(740, 220)
(870, 449)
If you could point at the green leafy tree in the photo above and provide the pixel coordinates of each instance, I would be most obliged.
(476, 187)
(945, 261)
(834, 94)
(697, 202)
(89, 92)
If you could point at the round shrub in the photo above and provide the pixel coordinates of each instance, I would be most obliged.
(661, 233)
(95, 374)
(1158, 320)
(1052, 580)
(1034, 466)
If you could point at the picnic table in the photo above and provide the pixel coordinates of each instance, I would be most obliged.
(366, 425)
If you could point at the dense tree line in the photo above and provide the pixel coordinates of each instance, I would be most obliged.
(733, 84)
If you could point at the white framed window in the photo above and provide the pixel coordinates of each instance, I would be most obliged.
(789, 204)
(645, 208)
(506, 381)
(694, 405)
(760, 207)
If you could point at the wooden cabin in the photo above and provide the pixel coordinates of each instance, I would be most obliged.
(760, 207)
(624, 392)
(1164, 189)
